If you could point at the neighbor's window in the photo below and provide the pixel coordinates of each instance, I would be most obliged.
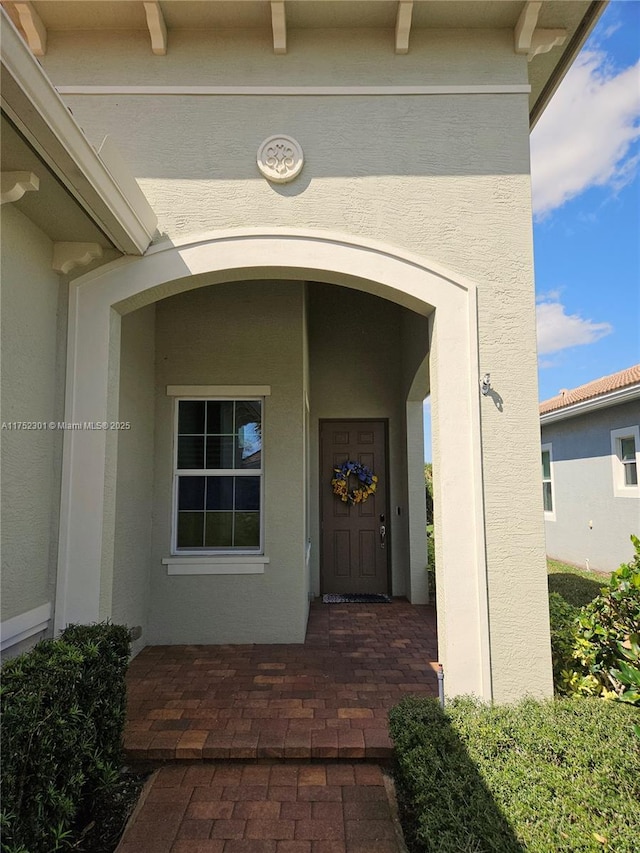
(218, 476)
(627, 452)
(625, 455)
(547, 481)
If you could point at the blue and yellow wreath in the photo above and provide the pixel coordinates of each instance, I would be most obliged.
(367, 482)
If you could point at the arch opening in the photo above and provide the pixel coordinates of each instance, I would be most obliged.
(340, 334)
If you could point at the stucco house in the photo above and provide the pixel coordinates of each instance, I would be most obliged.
(242, 241)
(590, 464)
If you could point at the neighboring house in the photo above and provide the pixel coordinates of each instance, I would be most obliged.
(590, 466)
(336, 222)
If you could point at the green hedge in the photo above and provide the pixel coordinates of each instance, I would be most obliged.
(564, 619)
(63, 710)
(554, 776)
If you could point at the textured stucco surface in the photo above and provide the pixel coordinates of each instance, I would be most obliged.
(443, 176)
(246, 333)
(31, 297)
(318, 57)
(134, 485)
(592, 526)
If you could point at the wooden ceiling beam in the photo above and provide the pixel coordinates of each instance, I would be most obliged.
(34, 30)
(157, 27)
(279, 26)
(403, 26)
(530, 39)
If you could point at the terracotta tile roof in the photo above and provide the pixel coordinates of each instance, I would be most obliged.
(596, 388)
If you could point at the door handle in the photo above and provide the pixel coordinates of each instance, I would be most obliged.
(383, 533)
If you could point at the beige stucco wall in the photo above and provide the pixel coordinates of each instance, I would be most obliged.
(444, 176)
(315, 57)
(135, 472)
(33, 329)
(246, 333)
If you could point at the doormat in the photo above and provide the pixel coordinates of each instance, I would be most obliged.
(353, 598)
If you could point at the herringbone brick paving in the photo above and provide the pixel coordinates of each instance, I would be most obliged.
(325, 699)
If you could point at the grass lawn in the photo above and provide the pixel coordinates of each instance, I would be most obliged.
(577, 586)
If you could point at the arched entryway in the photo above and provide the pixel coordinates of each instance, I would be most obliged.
(100, 299)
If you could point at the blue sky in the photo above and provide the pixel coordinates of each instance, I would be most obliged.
(585, 158)
(585, 174)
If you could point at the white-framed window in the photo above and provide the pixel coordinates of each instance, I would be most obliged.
(218, 476)
(625, 456)
(548, 499)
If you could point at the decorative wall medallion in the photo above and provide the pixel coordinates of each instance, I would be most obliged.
(280, 159)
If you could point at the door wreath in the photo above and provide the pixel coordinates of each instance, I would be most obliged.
(367, 482)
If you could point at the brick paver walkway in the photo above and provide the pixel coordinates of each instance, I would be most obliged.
(263, 742)
(327, 698)
(264, 808)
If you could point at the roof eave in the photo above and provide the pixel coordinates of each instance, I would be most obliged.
(32, 103)
(567, 59)
(614, 398)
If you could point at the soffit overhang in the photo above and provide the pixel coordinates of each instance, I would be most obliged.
(78, 194)
(546, 70)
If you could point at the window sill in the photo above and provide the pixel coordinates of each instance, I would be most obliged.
(210, 565)
(626, 492)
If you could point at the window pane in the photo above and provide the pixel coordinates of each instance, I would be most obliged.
(190, 529)
(219, 492)
(191, 451)
(546, 465)
(215, 511)
(249, 447)
(546, 495)
(248, 412)
(630, 474)
(219, 451)
(247, 534)
(628, 449)
(191, 417)
(219, 530)
(191, 493)
(220, 417)
(247, 493)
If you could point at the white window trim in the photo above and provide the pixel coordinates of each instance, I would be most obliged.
(203, 562)
(213, 565)
(549, 516)
(620, 490)
(228, 392)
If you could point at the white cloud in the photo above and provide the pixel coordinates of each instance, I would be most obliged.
(558, 330)
(584, 137)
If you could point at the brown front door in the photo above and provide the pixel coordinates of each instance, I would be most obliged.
(355, 543)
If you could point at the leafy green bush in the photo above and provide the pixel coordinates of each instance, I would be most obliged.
(63, 707)
(606, 655)
(431, 563)
(537, 777)
(564, 619)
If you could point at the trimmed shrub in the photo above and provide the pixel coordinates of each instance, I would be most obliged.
(63, 706)
(562, 775)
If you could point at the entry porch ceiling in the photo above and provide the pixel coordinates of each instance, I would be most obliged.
(576, 18)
